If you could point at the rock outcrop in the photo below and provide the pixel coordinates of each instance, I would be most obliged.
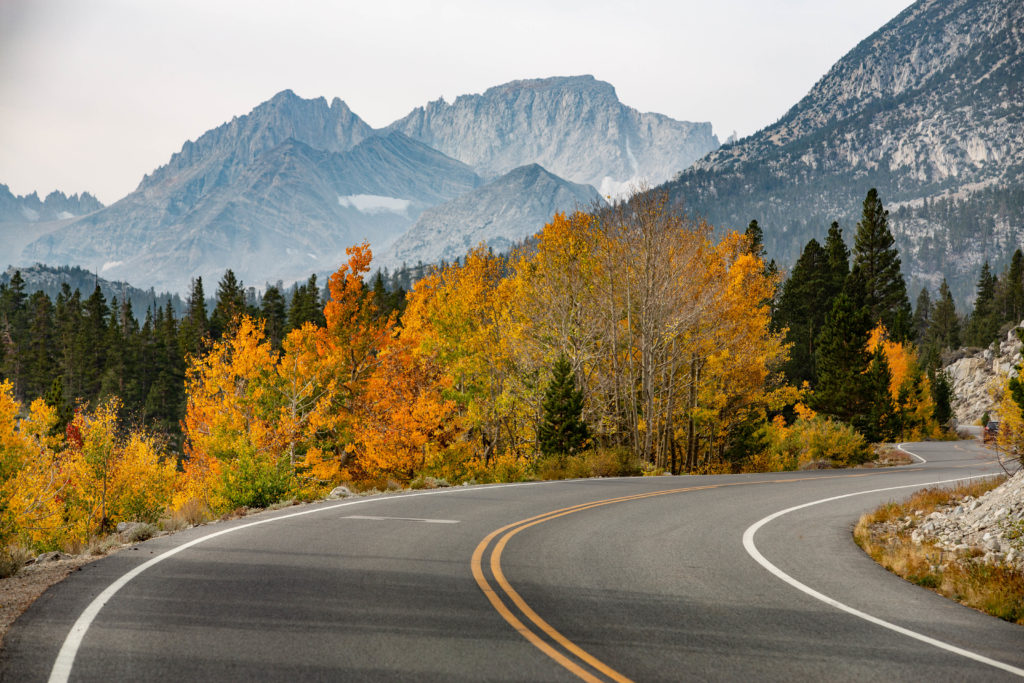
(976, 375)
(991, 525)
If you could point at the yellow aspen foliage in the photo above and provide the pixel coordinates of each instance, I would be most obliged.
(142, 482)
(404, 425)
(33, 480)
(461, 320)
(235, 443)
(910, 387)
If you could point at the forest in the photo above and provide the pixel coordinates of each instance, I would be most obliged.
(628, 339)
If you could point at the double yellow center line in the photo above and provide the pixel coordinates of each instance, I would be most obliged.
(539, 632)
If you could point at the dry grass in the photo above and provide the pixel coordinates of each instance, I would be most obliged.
(885, 534)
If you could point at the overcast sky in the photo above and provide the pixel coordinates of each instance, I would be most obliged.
(96, 93)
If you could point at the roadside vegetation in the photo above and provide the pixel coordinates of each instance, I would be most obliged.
(626, 340)
(887, 535)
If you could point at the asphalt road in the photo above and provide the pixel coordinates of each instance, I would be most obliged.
(610, 579)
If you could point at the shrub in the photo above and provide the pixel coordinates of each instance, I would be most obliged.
(808, 442)
(254, 481)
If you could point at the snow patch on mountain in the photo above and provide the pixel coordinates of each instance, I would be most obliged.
(375, 203)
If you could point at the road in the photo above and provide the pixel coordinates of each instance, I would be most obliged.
(655, 578)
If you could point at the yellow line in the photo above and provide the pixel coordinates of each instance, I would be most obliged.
(510, 530)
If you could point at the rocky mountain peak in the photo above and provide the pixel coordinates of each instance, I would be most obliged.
(927, 110)
(219, 154)
(574, 126)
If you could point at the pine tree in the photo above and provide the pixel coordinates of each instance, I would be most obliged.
(838, 256)
(274, 313)
(842, 356)
(14, 334)
(876, 255)
(306, 306)
(922, 314)
(983, 326)
(562, 430)
(195, 327)
(92, 345)
(41, 366)
(944, 331)
(942, 397)
(230, 305)
(1013, 297)
(881, 422)
(801, 311)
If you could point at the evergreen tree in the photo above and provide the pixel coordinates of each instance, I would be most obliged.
(68, 317)
(755, 242)
(842, 356)
(801, 311)
(273, 312)
(13, 334)
(838, 256)
(195, 327)
(876, 255)
(230, 305)
(944, 331)
(1011, 302)
(881, 423)
(922, 314)
(92, 345)
(562, 430)
(983, 326)
(40, 363)
(306, 306)
(942, 397)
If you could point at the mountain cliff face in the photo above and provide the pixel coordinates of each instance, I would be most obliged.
(575, 127)
(929, 110)
(56, 206)
(291, 211)
(498, 214)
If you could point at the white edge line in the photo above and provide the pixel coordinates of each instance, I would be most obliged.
(425, 520)
(748, 544)
(900, 446)
(61, 670)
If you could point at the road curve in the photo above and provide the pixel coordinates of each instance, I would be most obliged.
(658, 578)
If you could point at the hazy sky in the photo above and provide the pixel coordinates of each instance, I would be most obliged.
(96, 93)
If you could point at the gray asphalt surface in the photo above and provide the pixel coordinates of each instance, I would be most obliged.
(659, 588)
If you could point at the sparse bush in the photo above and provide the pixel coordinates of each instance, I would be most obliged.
(142, 531)
(13, 558)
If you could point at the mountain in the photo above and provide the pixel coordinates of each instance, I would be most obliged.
(56, 206)
(929, 110)
(281, 192)
(279, 214)
(499, 214)
(573, 126)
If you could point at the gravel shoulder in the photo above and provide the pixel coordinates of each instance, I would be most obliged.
(18, 592)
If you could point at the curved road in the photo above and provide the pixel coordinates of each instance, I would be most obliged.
(659, 578)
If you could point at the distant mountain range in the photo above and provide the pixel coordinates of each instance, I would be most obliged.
(930, 110)
(279, 193)
(56, 206)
